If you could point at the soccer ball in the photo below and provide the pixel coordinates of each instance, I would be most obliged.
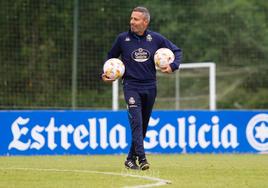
(114, 68)
(163, 57)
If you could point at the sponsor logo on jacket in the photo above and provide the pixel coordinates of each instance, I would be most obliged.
(140, 55)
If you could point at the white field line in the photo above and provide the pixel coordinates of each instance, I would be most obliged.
(158, 181)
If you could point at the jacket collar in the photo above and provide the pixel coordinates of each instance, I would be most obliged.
(138, 36)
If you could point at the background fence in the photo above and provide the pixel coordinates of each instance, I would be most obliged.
(51, 52)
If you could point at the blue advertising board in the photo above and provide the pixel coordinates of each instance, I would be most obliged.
(108, 132)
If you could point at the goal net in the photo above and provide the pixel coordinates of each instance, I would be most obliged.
(192, 87)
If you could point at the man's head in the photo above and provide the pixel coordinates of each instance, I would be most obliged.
(139, 20)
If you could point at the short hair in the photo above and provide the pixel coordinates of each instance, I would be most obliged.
(144, 11)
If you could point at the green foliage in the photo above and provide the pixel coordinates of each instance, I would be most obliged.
(36, 43)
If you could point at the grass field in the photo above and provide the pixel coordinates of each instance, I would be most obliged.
(200, 171)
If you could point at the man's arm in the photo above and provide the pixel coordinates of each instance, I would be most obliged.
(178, 56)
(114, 52)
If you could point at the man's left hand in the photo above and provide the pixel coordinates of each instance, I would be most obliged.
(166, 69)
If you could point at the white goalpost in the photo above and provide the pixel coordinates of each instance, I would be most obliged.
(212, 79)
(212, 84)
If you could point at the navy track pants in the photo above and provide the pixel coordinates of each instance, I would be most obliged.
(140, 104)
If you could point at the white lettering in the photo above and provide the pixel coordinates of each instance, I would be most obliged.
(92, 133)
(65, 130)
(188, 132)
(215, 132)
(39, 138)
(233, 136)
(182, 141)
(103, 132)
(24, 139)
(167, 141)
(202, 137)
(121, 142)
(17, 133)
(51, 129)
(192, 132)
(152, 136)
(79, 134)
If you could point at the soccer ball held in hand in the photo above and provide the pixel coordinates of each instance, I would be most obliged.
(163, 57)
(114, 68)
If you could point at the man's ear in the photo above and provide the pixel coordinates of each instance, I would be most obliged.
(146, 21)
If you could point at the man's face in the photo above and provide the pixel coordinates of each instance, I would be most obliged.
(138, 23)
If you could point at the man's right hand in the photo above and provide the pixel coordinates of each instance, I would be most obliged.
(106, 78)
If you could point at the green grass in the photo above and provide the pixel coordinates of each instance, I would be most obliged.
(200, 171)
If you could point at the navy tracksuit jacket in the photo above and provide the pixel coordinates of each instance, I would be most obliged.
(139, 80)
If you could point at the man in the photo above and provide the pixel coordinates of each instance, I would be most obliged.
(137, 48)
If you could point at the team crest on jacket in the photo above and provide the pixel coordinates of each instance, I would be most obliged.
(131, 100)
(149, 38)
(140, 55)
